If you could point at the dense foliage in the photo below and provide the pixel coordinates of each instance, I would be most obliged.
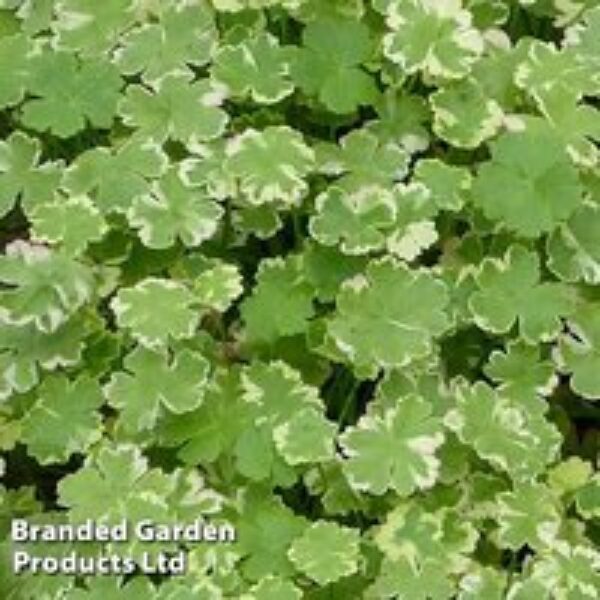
(328, 271)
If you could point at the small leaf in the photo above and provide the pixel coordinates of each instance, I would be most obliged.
(184, 35)
(281, 301)
(22, 176)
(115, 177)
(72, 224)
(328, 65)
(150, 380)
(433, 37)
(262, 180)
(219, 286)
(355, 220)
(464, 116)
(171, 211)
(14, 69)
(394, 450)
(326, 552)
(175, 109)
(448, 185)
(44, 288)
(530, 185)
(64, 419)
(389, 316)
(579, 351)
(156, 311)
(509, 290)
(574, 254)
(70, 94)
(511, 433)
(257, 67)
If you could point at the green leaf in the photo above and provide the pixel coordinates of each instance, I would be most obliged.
(266, 529)
(25, 351)
(575, 122)
(71, 94)
(325, 271)
(173, 210)
(257, 459)
(291, 412)
(64, 419)
(116, 484)
(530, 185)
(184, 36)
(464, 116)
(219, 286)
(276, 392)
(281, 301)
(71, 224)
(91, 27)
(432, 37)
(579, 351)
(22, 177)
(448, 185)
(509, 289)
(414, 229)
(214, 428)
(510, 433)
(529, 515)
(258, 67)
(520, 371)
(262, 180)
(389, 316)
(402, 579)
(273, 588)
(395, 450)
(483, 582)
(326, 268)
(116, 176)
(151, 380)
(156, 311)
(35, 15)
(209, 168)
(583, 37)
(362, 160)
(14, 68)
(569, 476)
(44, 288)
(175, 109)
(326, 552)
(573, 252)
(545, 68)
(356, 221)
(311, 10)
(570, 571)
(588, 499)
(328, 65)
(414, 534)
(306, 438)
(488, 13)
(261, 221)
(401, 119)
(106, 587)
(240, 5)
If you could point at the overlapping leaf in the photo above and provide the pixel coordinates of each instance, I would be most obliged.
(389, 316)
(328, 65)
(156, 310)
(436, 38)
(396, 450)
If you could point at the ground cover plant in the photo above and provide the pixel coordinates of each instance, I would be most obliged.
(325, 271)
